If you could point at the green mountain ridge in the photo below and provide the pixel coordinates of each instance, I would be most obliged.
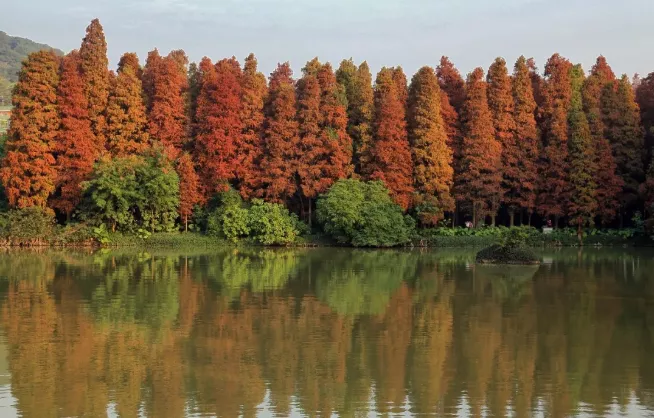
(13, 50)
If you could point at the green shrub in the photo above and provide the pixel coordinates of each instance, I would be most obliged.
(364, 215)
(28, 226)
(235, 223)
(273, 224)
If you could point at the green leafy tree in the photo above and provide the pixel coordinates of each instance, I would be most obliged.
(583, 189)
(131, 192)
(364, 215)
(273, 224)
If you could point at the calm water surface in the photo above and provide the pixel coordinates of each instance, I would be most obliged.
(325, 332)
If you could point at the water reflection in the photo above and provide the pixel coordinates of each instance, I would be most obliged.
(327, 331)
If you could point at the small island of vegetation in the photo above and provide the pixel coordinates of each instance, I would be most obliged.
(511, 250)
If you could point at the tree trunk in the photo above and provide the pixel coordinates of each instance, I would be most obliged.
(529, 218)
(474, 215)
(310, 217)
(511, 218)
(580, 234)
(556, 221)
(493, 216)
(186, 223)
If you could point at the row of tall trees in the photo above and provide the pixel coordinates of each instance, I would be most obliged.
(560, 145)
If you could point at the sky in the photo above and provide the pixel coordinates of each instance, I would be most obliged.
(410, 33)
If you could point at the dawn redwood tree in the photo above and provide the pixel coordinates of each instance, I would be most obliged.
(645, 100)
(97, 80)
(325, 147)
(621, 117)
(310, 149)
(524, 175)
(279, 166)
(481, 155)
(647, 189)
(583, 203)
(218, 124)
(402, 85)
(451, 83)
(432, 158)
(501, 105)
(609, 185)
(151, 68)
(360, 99)
(390, 159)
(75, 148)
(126, 118)
(166, 99)
(189, 187)
(28, 170)
(250, 148)
(556, 91)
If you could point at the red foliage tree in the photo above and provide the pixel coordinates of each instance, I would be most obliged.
(390, 154)
(278, 180)
(126, 119)
(608, 183)
(167, 86)
(451, 83)
(556, 91)
(28, 170)
(479, 183)
(325, 146)
(218, 124)
(75, 148)
(189, 188)
(250, 148)
(432, 158)
(97, 81)
(501, 105)
(524, 175)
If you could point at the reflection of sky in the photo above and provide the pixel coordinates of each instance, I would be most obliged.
(410, 33)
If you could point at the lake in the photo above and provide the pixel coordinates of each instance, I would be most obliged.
(325, 332)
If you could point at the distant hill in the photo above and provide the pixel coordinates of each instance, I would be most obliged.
(13, 51)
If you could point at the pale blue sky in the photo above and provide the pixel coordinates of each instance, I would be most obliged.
(410, 33)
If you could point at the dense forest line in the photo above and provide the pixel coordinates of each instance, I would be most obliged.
(151, 146)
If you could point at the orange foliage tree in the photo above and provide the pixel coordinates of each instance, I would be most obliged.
(432, 158)
(165, 85)
(523, 177)
(189, 187)
(250, 147)
(556, 92)
(608, 183)
(479, 182)
(218, 123)
(28, 170)
(501, 105)
(75, 148)
(97, 81)
(126, 119)
(278, 180)
(390, 159)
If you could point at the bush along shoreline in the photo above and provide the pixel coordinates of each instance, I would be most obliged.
(352, 213)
